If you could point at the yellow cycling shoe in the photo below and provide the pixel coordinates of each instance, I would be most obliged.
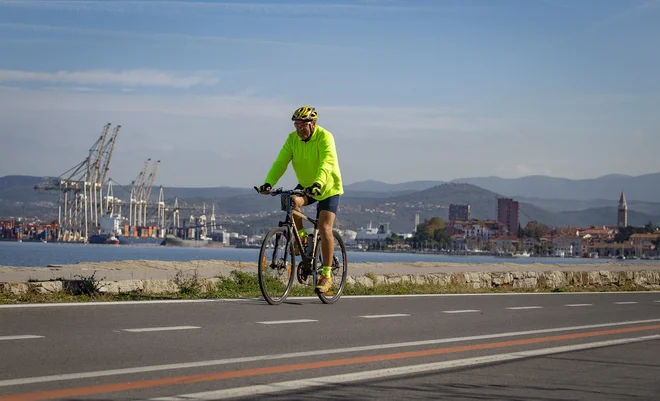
(324, 284)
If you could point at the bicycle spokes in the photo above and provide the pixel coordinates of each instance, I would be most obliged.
(276, 270)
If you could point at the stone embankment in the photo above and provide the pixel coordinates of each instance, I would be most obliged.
(154, 277)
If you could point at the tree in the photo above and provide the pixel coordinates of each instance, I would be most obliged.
(648, 228)
(624, 234)
(535, 230)
(394, 239)
(426, 230)
(442, 237)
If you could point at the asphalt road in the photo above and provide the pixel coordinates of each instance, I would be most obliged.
(496, 346)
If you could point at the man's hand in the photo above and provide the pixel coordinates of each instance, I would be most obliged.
(264, 189)
(314, 190)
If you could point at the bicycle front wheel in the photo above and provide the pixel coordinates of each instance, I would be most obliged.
(276, 266)
(339, 272)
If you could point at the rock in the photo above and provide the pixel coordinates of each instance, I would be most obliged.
(543, 280)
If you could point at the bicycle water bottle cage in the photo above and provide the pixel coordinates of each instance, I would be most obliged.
(310, 247)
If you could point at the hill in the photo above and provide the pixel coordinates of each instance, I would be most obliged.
(483, 203)
(569, 205)
(604, 215)
(379, 186)
(357, 208)
(640, 188)
(14, 181)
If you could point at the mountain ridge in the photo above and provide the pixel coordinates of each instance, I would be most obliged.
(16, 191)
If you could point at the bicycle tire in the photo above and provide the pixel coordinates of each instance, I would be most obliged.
(263, 254)
(342, 269)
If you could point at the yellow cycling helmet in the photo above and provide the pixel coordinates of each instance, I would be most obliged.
(307, 113)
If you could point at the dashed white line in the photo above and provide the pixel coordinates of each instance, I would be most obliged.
(392, 372)
(524, 307)
(572, 305)
(379, 316)
(461, 311)
(289, 321)
(118, 303)
(177, 301)
(161, 329)
(23, 337)
(626, 303)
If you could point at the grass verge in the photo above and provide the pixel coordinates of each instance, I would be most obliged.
(245, 285)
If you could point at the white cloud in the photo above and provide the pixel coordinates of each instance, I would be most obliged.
(133, 6)
(233, 139)
(143, 77)
(638, 9)
(602, 99)
(639, 134)
(78, 31)
(235, 136)
(523, 170)
(243, 105)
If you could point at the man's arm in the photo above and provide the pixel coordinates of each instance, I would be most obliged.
(327, 158)
(280, 165)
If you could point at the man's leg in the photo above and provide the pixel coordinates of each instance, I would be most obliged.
(326, 223)
(298, 203)
(327, 211)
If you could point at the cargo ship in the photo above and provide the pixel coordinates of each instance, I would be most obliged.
(217, 239)
(141, 236)
(171, 240)
(121, 240)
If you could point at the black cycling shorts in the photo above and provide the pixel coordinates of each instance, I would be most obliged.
(330, 204)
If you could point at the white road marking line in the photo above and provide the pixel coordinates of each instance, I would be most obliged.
(379, 316)
(524, 307)
(656, 301)
(161, 329)
(217, 362)
(118, 303)
(289, 321)
(181, 301)
(461, 311)
(626, 303)
(23, 337)
(579, 305)
(391, 372)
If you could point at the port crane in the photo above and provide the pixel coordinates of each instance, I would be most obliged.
(80, 189)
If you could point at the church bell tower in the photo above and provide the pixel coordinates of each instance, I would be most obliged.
(622, 220)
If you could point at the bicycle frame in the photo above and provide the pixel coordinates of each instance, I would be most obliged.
(309, 267)
(293, 229)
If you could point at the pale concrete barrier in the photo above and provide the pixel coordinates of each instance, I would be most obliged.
(533, 280)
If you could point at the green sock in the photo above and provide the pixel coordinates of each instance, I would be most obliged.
(302, 234)
(326, 271)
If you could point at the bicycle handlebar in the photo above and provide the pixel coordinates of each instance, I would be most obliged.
(280, 191)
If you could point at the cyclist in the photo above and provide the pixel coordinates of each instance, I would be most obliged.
(311, 150)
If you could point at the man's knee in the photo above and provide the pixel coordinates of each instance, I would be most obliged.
(326, 223)
(298, 202)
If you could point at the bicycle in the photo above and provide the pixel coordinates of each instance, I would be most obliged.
(284, 271)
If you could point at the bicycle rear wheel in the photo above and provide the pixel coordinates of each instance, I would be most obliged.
(339, 272)
(276, 266)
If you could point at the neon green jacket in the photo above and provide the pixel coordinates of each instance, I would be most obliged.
(313, 161)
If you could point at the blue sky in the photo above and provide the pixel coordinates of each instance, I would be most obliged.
(412, 90)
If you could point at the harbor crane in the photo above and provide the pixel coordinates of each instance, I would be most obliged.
(80, 189)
